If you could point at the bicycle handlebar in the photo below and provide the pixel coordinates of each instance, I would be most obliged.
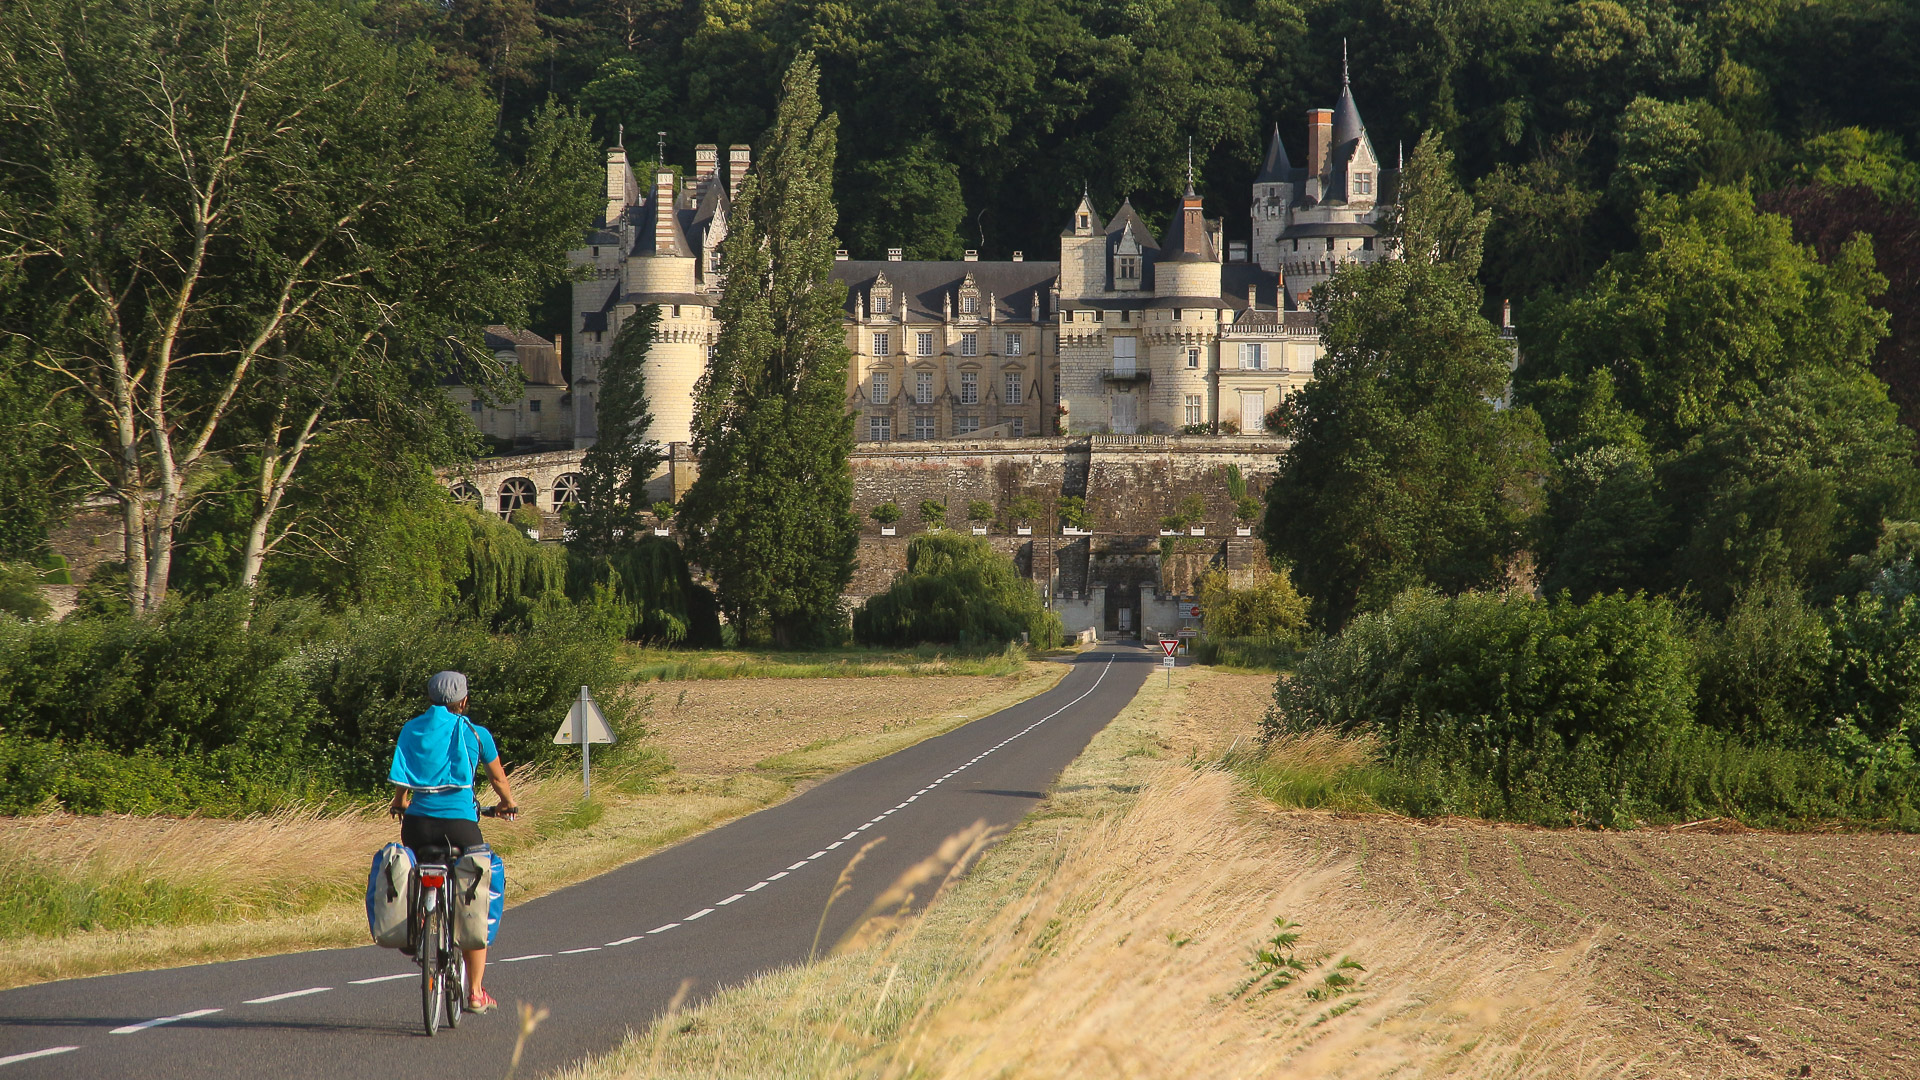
(500, 811)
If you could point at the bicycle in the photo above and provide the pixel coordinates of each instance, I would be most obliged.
(443, 968)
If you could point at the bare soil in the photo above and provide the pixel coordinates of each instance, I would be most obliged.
(1716, 951)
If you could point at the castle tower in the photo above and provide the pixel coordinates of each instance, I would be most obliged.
(1083, 252)
(1309, 222)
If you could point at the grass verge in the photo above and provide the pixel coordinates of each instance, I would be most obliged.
(90, 895)
(669, 665)
(1139, 925)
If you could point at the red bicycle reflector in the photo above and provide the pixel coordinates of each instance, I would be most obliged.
(432, 881)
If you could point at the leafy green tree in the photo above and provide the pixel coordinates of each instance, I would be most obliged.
(933, 512)
(770, 517)
(1402, 470)
(957, 590)
(886, 513)
(911, 201)
(1717, 302)
(273, 235)
(616, 468)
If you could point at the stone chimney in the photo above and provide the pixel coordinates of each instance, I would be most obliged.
(971, 255)
(893, 254)
(1019, 256)
(663, 243)
(1319, 141)
(706, 161)
(620, 186)
(739, 156)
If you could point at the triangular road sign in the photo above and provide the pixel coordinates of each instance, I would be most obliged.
(584, 723)
(1169, 645)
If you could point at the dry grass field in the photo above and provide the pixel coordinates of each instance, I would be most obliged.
(96, 894)
(1116, 933)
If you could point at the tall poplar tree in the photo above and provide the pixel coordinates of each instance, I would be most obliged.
(770, 517)
(615, 470)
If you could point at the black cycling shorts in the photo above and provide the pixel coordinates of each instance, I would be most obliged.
(438, 839)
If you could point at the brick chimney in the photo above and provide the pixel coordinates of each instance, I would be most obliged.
(739, 156)
(706, 161)
(663, 242)
(1319, 141)
(1193, 224)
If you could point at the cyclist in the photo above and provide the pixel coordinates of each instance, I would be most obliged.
(434, 762)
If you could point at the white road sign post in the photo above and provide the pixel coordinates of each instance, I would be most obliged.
(1169, 646)
(584, 726)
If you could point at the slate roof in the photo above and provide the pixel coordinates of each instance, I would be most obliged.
(1277, 169)
(919, 286)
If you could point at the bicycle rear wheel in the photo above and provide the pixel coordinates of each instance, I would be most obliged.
(431, 977)
(456, 977)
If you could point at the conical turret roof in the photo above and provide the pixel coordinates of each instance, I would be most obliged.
(1277, 169)
(1347, 124)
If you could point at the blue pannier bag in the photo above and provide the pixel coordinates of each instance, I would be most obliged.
(479, 894)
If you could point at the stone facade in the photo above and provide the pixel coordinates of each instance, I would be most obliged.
(1126, 333)
(540, 416)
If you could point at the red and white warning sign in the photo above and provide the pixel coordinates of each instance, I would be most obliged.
(1169, 646)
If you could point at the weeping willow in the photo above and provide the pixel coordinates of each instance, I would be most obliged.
(649, 576)
(508, 575)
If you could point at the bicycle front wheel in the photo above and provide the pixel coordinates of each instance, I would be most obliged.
(431, 977)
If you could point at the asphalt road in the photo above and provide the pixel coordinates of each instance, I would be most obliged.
(605, 955)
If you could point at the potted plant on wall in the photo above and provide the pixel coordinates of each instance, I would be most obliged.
(979, 512)
(1022, 511)
(886, 514)
(1074, 516)
(527, 520)
(662, 513)
(1246, 512)
(934, 513)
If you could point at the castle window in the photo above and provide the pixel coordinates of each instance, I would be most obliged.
(1193, 409)
(969, 388)
(533, 404)
(879, 428)
(1296, 243)
(1084, 223)
(881, 343)
(923, 387)
(1123, 356)
(969, 305)
(923, 343)
(596, 253)
(1329, 243)
(1367, 244)
(1193, 358)
(1012, 396)
(880, 387)
(676, 311)
(1017, 427)
(882, 303)
(1250, 356)
(1363, 183)
(923, 428)
(1129, 267)
(474, 405)
(966, 425)
(1013, 344)
(969, 344)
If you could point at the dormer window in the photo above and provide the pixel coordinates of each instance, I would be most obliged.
(1084, 223)
(1363, 183)
(882, 303)
(1129, 268)
(969, 305)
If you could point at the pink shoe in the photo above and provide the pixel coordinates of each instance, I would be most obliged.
(481, 1002)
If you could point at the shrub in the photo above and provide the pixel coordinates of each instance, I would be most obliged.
(525, 518)
(643, 585)
(886, 513)
(20, 592)
(956, 590)
(1271, 609)
(1074, 513)
(933, 512)
(1023, 508)
(979, 510)
(663, 511)
(1508, 706)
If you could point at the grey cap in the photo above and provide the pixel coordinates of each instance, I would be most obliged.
(447, 688)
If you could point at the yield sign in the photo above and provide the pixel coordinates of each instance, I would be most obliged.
(1169, 646)
(584, 723)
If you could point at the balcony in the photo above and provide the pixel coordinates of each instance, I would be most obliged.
(1126, 376)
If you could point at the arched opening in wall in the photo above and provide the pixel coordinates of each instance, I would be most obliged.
(516, 492)
(465, 494)
(566, 489)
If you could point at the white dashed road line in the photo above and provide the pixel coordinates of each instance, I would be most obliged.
(156, 1022)
(625, 940)
(289, 994)
(48, 1052)
(570, 952)
(529, 956)
(385, 978)
(663, 929)
(701, 914)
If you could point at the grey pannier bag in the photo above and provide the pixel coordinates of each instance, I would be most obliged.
(387, 886)
(479, 882)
